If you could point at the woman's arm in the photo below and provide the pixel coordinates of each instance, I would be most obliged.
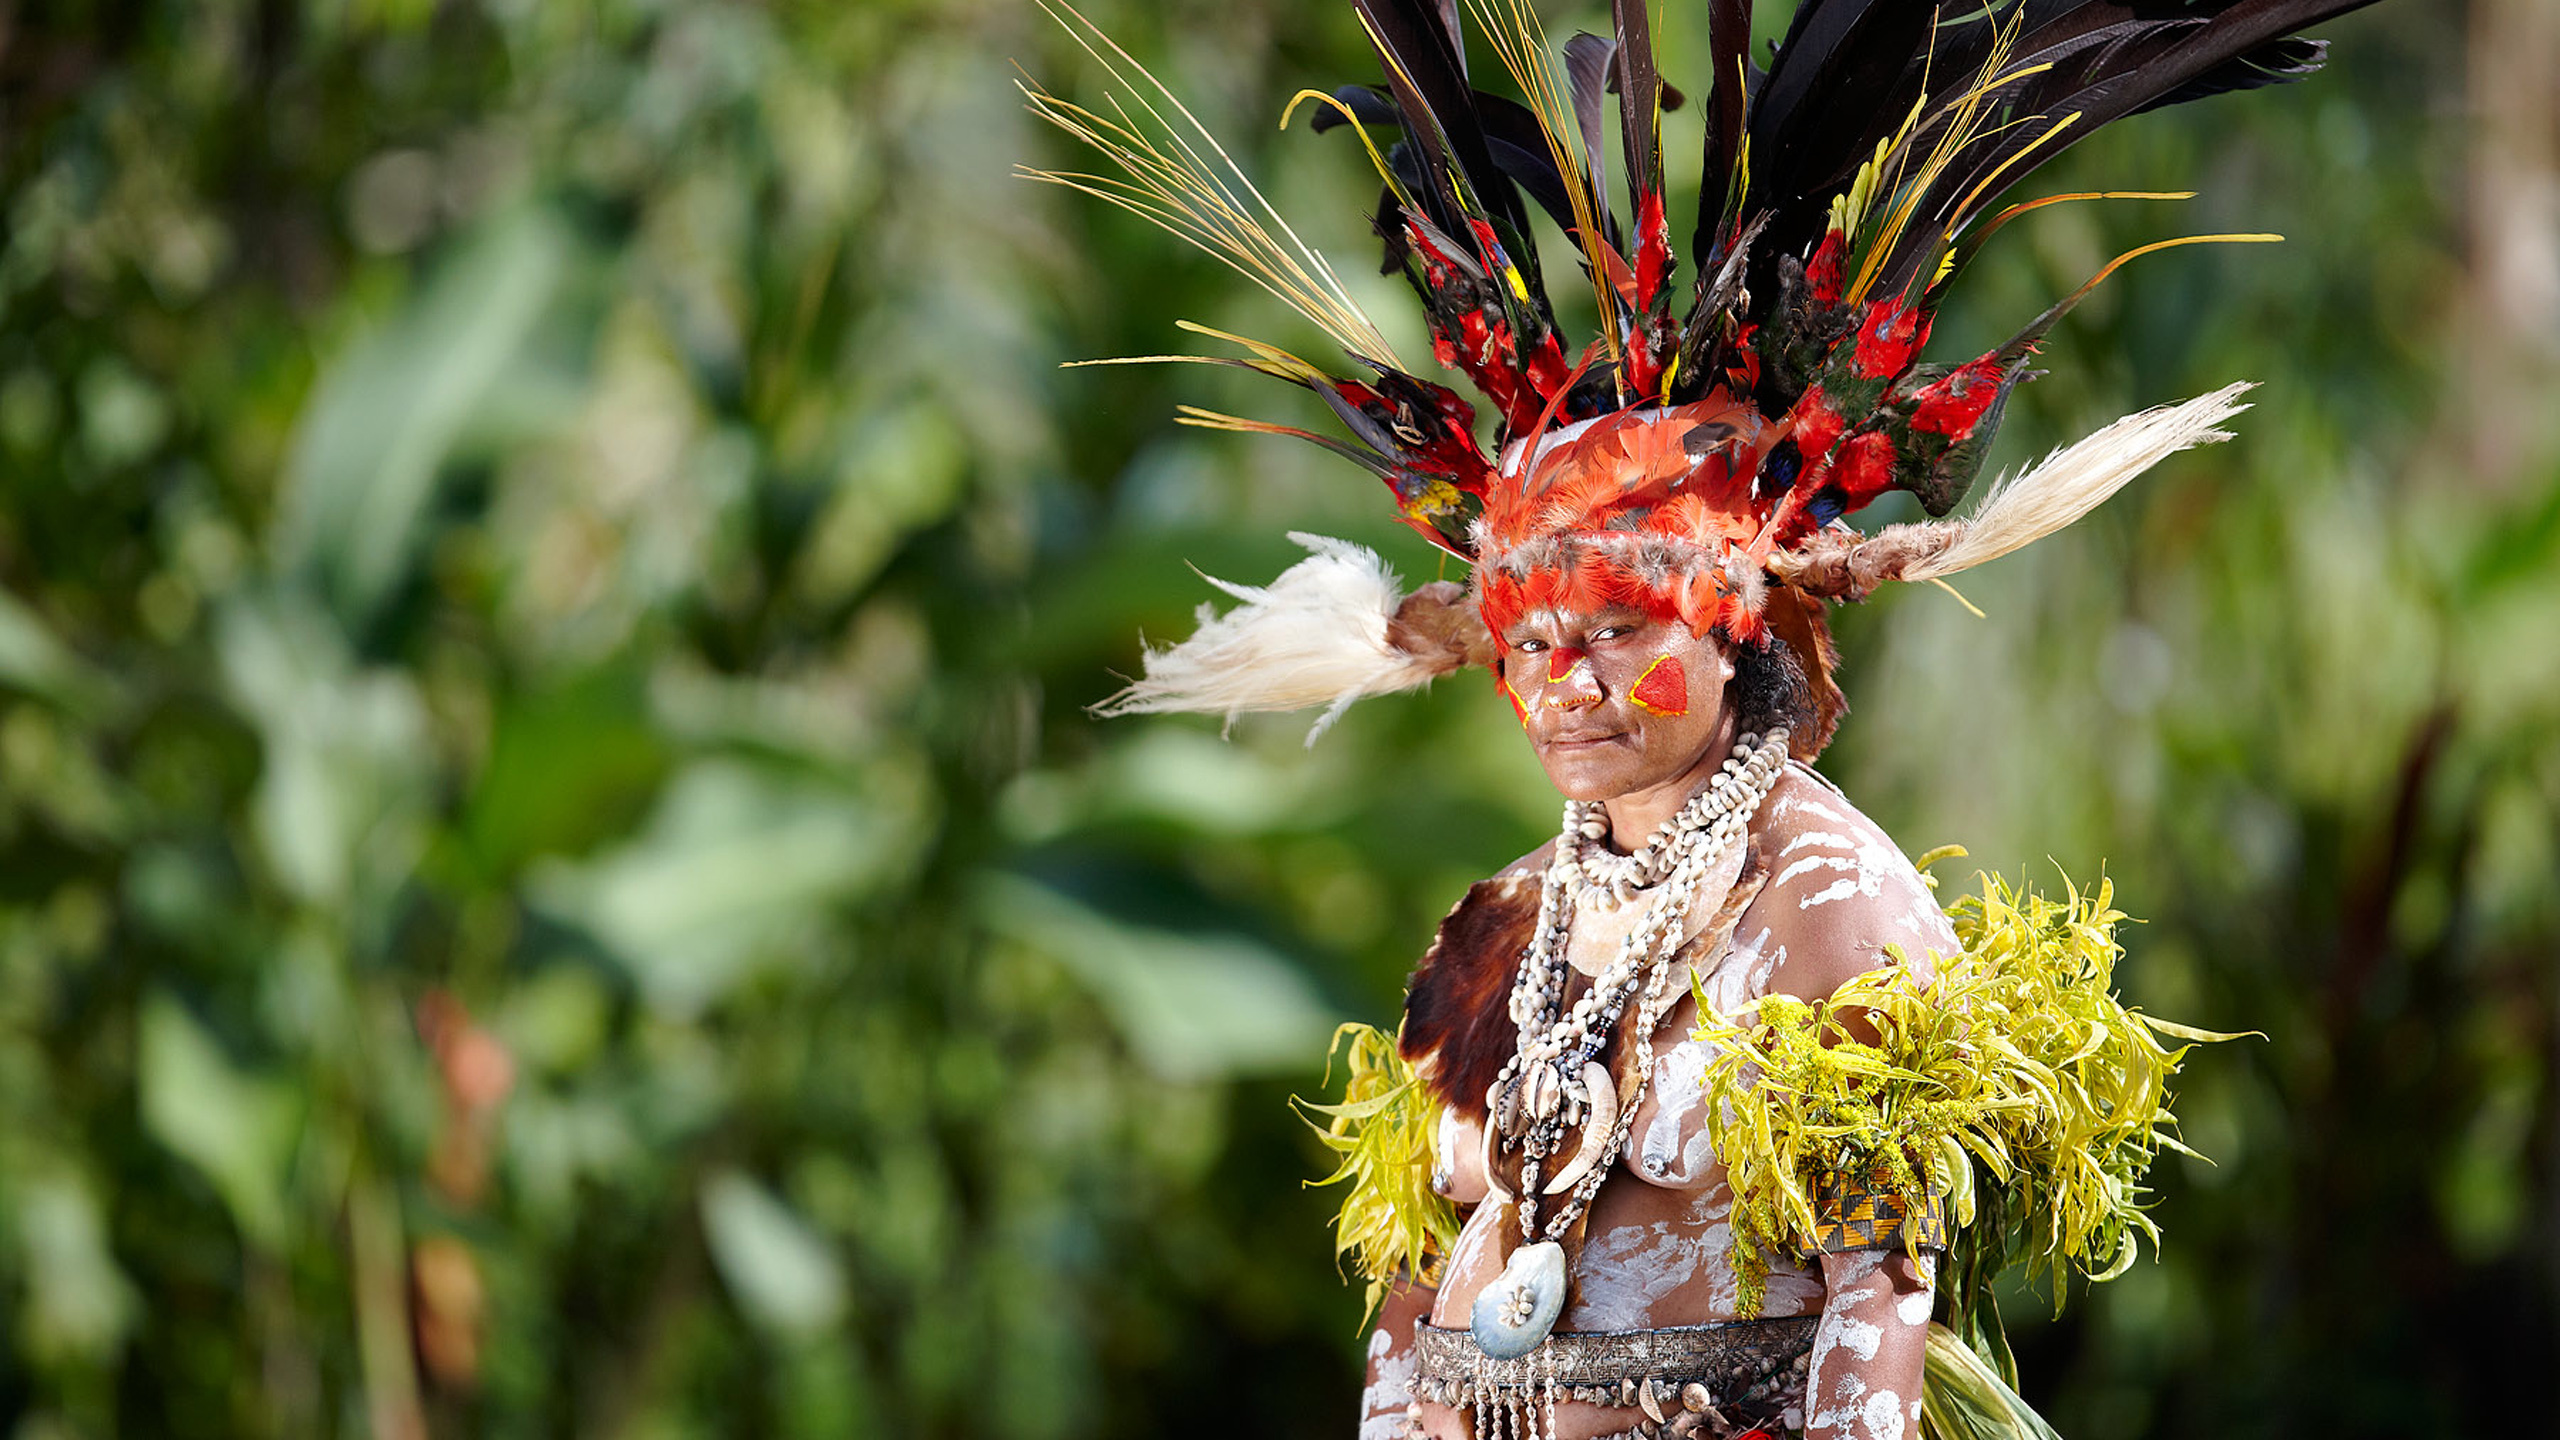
(1387, 1392)
(1869, 1349)
(1841, 892)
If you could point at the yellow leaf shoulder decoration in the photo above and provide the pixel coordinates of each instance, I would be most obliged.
(1392, 1223)
(2015, 1091)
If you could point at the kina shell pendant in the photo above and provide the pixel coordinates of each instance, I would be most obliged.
(1514, 1313)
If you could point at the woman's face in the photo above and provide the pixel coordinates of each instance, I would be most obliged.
(1615, 701)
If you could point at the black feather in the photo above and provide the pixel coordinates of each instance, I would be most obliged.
(2108, 60)
(1590, 65)
(1532, 168)
(1426, 76)
(1728, 47)
(1639, 98)
(2281, 62)
(1829, 96)
(1849, 72)
(1367, 103)
(1512, 137)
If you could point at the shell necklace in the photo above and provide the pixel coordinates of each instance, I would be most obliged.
(1554, 1081)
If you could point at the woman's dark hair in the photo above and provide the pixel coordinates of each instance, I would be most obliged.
(1769, 687)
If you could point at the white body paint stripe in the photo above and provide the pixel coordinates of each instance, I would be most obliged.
(1811, 863)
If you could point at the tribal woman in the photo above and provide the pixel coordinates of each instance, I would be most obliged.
(1784, 888)
(1706, 1118)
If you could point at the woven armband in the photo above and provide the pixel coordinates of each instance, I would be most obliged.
(1866, 1212)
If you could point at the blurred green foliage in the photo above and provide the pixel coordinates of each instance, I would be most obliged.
(554, 877)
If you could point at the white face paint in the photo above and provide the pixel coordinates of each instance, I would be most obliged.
(1860, 1313)
(1671, 1147)
(1790, 1291)
(1813, 864)
(1855, 1278)
(1848, 858)
(1858, 1267)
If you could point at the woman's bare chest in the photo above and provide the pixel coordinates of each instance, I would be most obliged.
(1656, 1244)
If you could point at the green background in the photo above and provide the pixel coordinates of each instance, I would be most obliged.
(555, 877)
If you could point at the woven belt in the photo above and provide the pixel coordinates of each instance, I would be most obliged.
(1736, 1362)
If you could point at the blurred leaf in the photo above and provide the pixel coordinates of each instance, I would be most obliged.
(382, 421)
(78, 1303)
(1186, 774)
(1192, 1007)
(557, 1020)
(733, 861)
(567, 767)
(2515, 552)
(904, 469)
(31, 659)
(782, 1273)
(344, 754)
(238, 1128)
(122, 415)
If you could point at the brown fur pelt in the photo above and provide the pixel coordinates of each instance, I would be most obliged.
(1438, 624)
(1841, 564)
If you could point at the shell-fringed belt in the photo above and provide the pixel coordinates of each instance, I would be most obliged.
(1746, 1362)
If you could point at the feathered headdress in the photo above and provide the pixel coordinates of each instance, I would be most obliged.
(1693, 459)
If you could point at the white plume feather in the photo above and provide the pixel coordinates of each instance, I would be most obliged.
(1315, 636)
(2075, 480)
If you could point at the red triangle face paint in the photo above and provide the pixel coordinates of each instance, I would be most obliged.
(1663, 688)
(1517, 708)
(1561, 664)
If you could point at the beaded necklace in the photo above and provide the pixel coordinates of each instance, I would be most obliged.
(1554, 1081)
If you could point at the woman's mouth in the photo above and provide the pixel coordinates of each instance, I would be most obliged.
(1579, 739)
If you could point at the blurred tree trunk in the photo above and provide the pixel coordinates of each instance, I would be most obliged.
(2513, 359)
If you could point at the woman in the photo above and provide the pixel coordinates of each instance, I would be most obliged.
(1654, 1241)
(1814, 893)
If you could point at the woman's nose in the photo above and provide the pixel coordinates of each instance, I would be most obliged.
(1570, 683)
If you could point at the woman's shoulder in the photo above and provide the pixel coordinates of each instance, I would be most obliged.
(1839, 890)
